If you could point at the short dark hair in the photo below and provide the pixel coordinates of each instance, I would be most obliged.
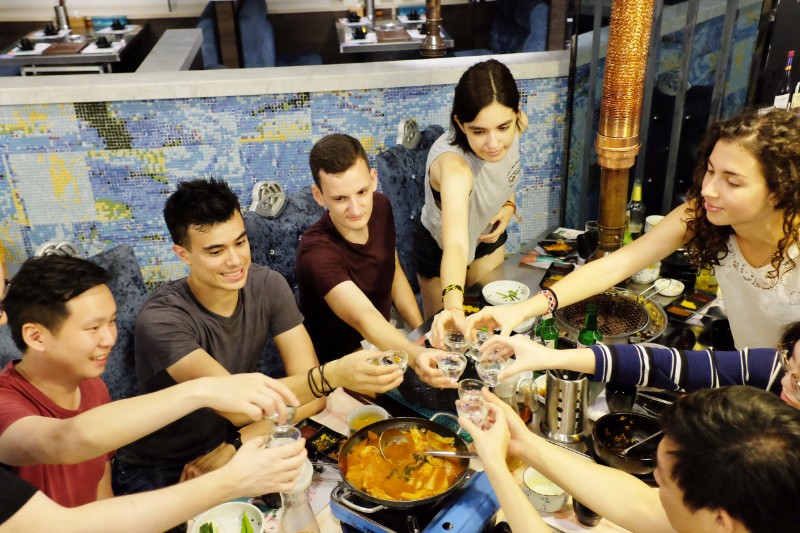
(198, 202)
(41, 289)
(482, 83)
(791, 335)
(737, 448)
(334, 154)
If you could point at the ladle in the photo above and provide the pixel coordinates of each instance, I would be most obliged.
(389, 438)
(624, 452)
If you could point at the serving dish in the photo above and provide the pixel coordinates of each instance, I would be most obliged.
(557, 247)
(505, 292)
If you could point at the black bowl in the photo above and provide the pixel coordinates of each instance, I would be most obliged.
(614, 432)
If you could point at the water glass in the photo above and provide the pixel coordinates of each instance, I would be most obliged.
(470, 389)
(283, 436)
(489, 369)
(454, 341)
(391, 357)
(290, 412)
(474, 411)
(452, 364)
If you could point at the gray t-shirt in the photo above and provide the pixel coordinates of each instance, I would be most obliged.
(172, 324)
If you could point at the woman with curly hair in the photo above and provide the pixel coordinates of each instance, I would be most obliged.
(741, 217)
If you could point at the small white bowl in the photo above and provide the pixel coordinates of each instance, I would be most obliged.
(544, 495)
(228, 517)
(497, 292)
(669, 287)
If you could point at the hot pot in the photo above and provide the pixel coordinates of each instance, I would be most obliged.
(614, 432)
(402, 424)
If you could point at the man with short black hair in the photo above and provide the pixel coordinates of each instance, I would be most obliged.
(728, 462)
(216, 322)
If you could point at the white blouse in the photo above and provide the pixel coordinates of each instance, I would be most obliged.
(758, 308)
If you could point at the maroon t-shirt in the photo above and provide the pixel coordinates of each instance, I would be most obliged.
(325, 259)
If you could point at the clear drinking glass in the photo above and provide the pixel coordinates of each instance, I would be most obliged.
(489, 369)
(282, 436)
(392, 357)
(470, 389)
(452, 364)
(474, 411)
(290, 412)
(454, 341)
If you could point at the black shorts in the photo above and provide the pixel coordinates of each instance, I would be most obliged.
(428, 255)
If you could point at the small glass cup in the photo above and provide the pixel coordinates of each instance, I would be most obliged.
(392, 357)
(470, 389)
(454, 341)
(283, 436)
(290, 412)
(489, 369)
(452, 364)
(474, 352)
(474, 411)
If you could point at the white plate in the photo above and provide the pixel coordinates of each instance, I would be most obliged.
(669, 287)
(497, 292)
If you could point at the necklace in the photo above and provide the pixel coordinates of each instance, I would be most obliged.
(768, 259)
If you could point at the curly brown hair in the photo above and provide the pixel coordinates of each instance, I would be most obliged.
(773, 138)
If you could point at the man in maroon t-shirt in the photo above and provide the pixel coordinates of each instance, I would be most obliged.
(347, 267)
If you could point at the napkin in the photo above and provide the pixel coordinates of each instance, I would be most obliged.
(335, 414)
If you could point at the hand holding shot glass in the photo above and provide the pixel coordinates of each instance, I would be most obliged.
(454, 341)
(475, 411)
(290, 412)
(452, 364)
(392, 357)
(489, 369)
(470, 390)
(283, 436)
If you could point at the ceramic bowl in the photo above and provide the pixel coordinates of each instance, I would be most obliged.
(544, 495)
(670, 287)
(228, 517)
(365, 415)
(505, 292)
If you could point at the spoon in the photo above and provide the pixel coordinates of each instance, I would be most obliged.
(624, 452)
(445, 453)
(392, 438)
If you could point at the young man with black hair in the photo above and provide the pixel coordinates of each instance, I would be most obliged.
(58, 426)
(347, 266)
(727, 463)
(216, 322)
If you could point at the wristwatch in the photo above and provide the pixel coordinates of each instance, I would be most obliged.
(235, 440)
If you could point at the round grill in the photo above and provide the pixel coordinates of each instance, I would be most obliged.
(616, 314)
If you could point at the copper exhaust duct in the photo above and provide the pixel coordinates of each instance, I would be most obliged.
(433, 45)
(620, 111)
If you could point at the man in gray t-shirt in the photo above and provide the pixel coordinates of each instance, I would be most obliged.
(217, 321)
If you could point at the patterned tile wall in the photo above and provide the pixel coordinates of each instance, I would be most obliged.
(97, 174)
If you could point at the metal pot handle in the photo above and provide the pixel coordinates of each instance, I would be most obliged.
(449, 415)
(344, 492)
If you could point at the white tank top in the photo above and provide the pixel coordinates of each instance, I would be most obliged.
(758, 308)
(493, 184)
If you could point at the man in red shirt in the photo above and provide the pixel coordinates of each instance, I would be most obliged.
(62, 315)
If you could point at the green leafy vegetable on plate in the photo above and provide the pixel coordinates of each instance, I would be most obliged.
(209, 527)
(246, 527)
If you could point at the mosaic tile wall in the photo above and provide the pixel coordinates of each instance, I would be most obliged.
(97, 174)
(702, 71)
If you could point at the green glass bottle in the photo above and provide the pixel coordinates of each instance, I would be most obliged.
(547, 331)
(590, 334)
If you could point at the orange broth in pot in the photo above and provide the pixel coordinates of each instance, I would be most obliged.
(409, 474)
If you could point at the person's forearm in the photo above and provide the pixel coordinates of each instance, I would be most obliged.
(453, 273)
(150, 511)
(113, 425)
(518, 511)
(616, 495)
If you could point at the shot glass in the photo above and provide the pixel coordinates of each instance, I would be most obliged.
(489, 369)
(454, 341)
(283, 436)
(474, 352)
(474, 411)
(392, 357)
(470, 389)
(452, 364)
(290, 412)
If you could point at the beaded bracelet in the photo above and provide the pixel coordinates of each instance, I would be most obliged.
(452, 287)
(552, 300)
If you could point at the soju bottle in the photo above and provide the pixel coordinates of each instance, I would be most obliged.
(590, 334)
(547, 331)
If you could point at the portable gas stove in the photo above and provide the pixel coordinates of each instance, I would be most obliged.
(471, 509)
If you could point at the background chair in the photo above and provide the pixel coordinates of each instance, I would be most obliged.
(401, 173)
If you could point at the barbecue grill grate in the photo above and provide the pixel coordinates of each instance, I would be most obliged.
(616, 314)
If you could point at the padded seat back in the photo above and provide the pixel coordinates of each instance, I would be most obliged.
(402, 176)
